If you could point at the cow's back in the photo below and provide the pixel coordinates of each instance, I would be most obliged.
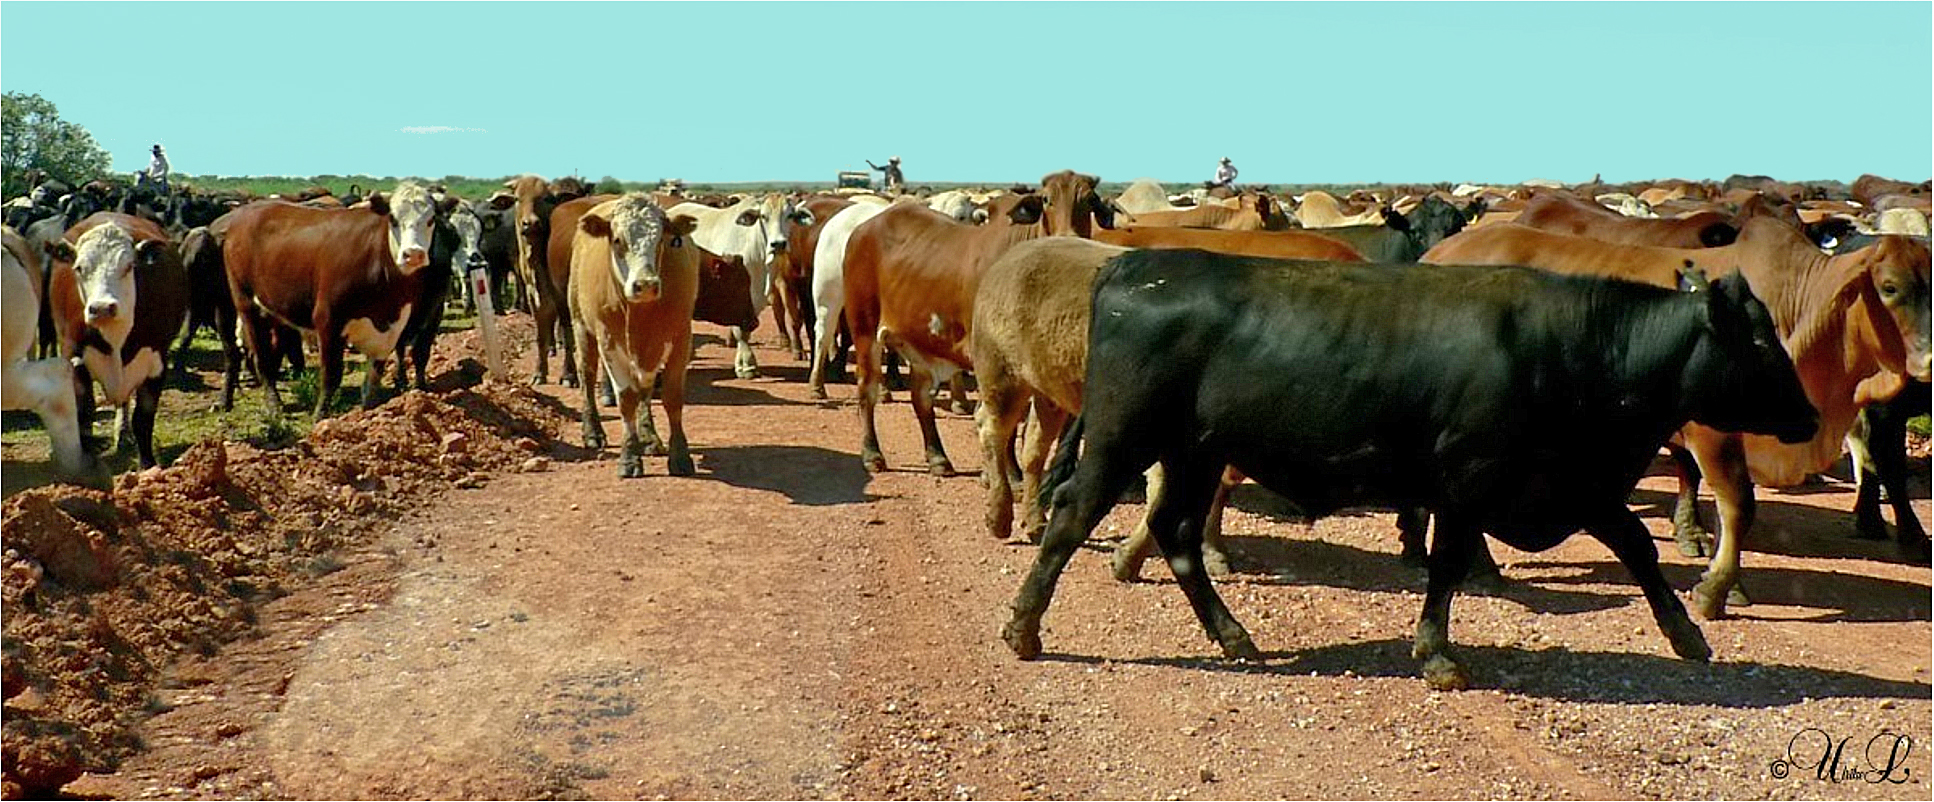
(1031, 316)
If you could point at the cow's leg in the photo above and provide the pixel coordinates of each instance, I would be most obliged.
(1622, 532)
(1449, 561)
(957, 395)
(1103, 473)
(329, 343)
(231, 355)
(829, 306)
(653, 445)
(589, 352)
(680, 462)
(545, 313)
(1042, 433)
(147, 399)
(744, 364)
(569, 370)
(1732, 488)
(1140, 545)
(607, 390)
(47, 387)
(1177, 521)
(1215, 559)
(869, 396)
(373, 379)
(631, 461)
(1888, 444)
(1003, 404)
(260, 333)
(776, 297)
(1413, 523)
(1693, 538)
(1867, 523)
(937, 462)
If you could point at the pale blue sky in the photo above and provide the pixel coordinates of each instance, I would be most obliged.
(1293, 92)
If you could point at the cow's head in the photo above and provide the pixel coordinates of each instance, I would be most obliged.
(412, 217)
(1892, 278)
(773, 216)
(642, 241)
(469, 245)
(1073, 206)
(1739, 378)
(105, 260)
(1431, 222)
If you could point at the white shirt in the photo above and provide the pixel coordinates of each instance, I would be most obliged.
(158, 167)
(1225, 173)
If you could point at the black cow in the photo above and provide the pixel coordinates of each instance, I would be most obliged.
(499, 217)
(426, 318)
(1506, 401)
(1403, 239)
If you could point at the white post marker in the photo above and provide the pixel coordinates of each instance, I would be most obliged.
(487, 321)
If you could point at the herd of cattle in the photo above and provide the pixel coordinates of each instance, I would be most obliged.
(1503, 361)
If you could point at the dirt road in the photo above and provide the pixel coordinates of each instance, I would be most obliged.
(785, 625)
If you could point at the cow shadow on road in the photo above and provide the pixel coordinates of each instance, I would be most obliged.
(808, 475)
(1570, 675)
(1838, 596)
(702, 387)
(1784, 525)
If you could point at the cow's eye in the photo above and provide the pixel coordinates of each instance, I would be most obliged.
(1889, 289)
(678, 242)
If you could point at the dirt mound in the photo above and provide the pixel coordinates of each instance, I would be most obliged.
(103, 589)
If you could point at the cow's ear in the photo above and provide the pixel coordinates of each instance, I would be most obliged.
(594, 225)
(1028, 211)
(502, 202)
(682, 225)
(978, 217)
(149, 251)
(1395, 220)
(1693, 279)
(448, 204)
(747, 217)
(60, 250)
(802, 217)
(379, 204)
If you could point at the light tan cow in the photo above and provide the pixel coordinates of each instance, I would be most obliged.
(45, 386)
(632, 292)
(1319, 209)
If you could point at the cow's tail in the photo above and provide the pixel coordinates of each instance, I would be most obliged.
(1065, 456)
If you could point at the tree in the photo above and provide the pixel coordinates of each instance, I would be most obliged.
(33, 136)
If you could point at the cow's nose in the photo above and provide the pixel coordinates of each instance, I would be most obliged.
(415, 257)
(641, 287)
(102, 310)
(779, 246)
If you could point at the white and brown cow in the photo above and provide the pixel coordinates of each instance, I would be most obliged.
(45, 386)
(755, 228)
(633, 284)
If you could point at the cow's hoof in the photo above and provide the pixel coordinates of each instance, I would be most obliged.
(1032, 532)
(631, 468)
(1708, 604)
(1238, 646)
(819, 391)
(746, 372)
(1869, 528)
(539, 380)
(654, 448)
(606, 399)
(1215, 562)
(681, 465)
(941, 466)
(1689, 643)
(1694, 541)
(961, 408)
(874, 462)
(594, 439)
(1023, 639)
(1127, 565)
(1444, 674)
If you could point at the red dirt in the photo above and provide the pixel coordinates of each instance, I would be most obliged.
(784, 625)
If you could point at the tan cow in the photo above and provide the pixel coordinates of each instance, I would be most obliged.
(1849, 322)
(632, 293)
(1254, 212)
(1319, 209)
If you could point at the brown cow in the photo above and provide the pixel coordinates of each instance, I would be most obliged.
(1030, 344)
(723, 298)
(632, 293)
(134, 297)
(1567, 215)
(1845, 320)
(910, 278)
(1869, 188)
(792, 282)
(1253, 213)
(349, 275)
(536, 198)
